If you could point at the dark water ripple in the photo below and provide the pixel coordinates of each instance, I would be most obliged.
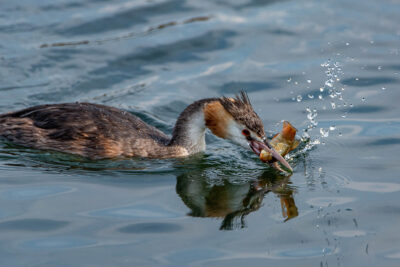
(142, 228)
(125, 19)
(384, 142)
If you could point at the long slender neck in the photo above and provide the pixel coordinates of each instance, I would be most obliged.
(189, 130)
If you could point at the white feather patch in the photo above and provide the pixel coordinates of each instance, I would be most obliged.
(196, 132)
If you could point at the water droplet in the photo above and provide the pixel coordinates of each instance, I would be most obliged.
(344, 116)
(289, 80)
(357, 79)
(329, 83)
(296, 83)
(320, 97)
(340, 134)
(310, 96)
(308, 81)
(320, 169)
(323, 132)
(363, 99)
(321, 89)
(351, 105)
(311, 116)
(299, 98)
(305, 136)
(383, 88)
(333, 105)
(347, 44)
(325, 64)
(379, 67)
(332, 128)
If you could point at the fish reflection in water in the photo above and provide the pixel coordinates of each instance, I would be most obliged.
(233, 201)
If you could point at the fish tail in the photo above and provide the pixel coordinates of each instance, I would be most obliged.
(288, 131)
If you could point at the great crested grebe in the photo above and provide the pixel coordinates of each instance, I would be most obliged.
(97, 131)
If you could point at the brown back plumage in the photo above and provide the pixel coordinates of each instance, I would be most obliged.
(242, 111)
(90, 130)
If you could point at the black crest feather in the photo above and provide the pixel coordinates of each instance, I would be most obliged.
(242, 111)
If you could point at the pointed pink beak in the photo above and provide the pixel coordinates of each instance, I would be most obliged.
(258, 146)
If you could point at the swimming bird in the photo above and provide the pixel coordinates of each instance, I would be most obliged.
(97, 131)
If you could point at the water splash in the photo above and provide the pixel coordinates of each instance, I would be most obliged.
(334, 91)
(333, 72)
(306, 138)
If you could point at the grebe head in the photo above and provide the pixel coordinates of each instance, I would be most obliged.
(236, 120)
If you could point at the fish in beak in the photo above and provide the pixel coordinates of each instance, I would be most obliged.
(262, 147)
(281, 144)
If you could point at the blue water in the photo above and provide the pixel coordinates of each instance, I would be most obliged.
(331, 68)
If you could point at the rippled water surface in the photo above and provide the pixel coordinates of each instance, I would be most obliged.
(331, 68)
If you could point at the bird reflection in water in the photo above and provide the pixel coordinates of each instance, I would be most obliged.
(233, 201)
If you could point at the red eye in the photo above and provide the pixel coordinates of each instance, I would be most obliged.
(246, 132)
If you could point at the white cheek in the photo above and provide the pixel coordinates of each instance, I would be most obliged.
(234, 133)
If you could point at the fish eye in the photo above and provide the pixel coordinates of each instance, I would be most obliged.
(246, 132)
